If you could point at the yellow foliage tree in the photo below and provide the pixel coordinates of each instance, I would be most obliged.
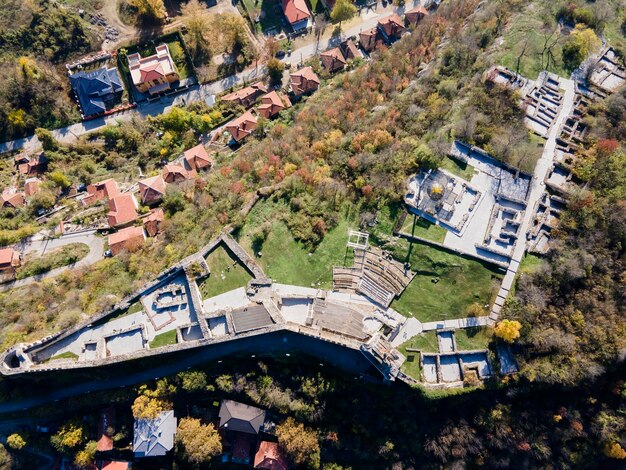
(199, 443)
(508, 330)
(146, 407)
(84, 458)
(301, 445)
(614, 450)
(69, 436)
(15, 441)
(151, 9)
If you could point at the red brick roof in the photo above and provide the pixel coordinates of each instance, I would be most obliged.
(128, 239)
(122, 210)
(242, 127)
(151, 189)
(114, 465)
(102, 190)
(333, 60)
(13, 200)
(174, 173)
(31, 186)
(9, 258)
(392, 25)
(304, 81)
(246, 96)
(269, 457)
(271, 105)
(152, 223)
(415, 14)
(296, 10)
(197, 158)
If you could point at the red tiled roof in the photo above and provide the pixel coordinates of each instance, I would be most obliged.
(152, 223)
(9, 258)
(13, 200)
(174, 173)
(107, 418)
(243, 126)
(102, 190)
(246, 96)
(115, 466)
(367, 39)
(269, 457)
(197, 158)
(31, 186)
(151, 189)
(392, 25)
(271, 105)
(304, 81)
(129, 239)
(296, 10)
(333, 60)
(415, 14)
(122, 210)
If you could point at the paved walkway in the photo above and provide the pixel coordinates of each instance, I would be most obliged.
(43, 245)
(413, 327)
(537, 187)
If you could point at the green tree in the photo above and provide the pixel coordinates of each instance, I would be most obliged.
(153, 10)
(60, 179)
(48, 142)
(198, 443)
(195, 15)
(193, 380)
(579, 45)
(301, 445)
(342, 11)
(16, 441)
(275, 70)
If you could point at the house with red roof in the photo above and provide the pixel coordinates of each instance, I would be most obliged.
(349, 50)
(153, 222)
(127, 239)
(175, 173)
(11, 198)
(122, 210)
(272, 104)
(105, 424)
(98, 191)
(31, 186)
(35, 165)
(112, 465)
(333, 60)
(197, 159)
(247, 96)
(153, 74)
(269, 456)
(151, 190)
(297, 14)
(9, 260)
(369, 39)
(415, 15)
(304, 81)
(391, 28)
(242, 127)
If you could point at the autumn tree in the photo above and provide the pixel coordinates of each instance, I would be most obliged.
(275, 70)
(197, 442)
(580, 44)
(193, 380)
(342, 11)
(614, 450)
(84, 458)
(69, 436)
(508, 330)
(195, 15)
(16, 441)
(145, 407)
(301, 445)
(152, 10)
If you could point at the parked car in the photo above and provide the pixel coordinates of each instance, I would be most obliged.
(108, 254)
(280, 54)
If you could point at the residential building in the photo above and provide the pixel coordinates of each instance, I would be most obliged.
(304, 81)
(106, 422)
(333, 60)
(34, 165)
(153, 74)
(272, 104)
(369, 39)
(9, 260)
(31, 186)
(349, 50)
(97, 90)
(415, 15)
(122, 210)
(11, 198)
(242, 127)
(129, 239)
(112, 465)
(174, 173)
(152, 190)
(106, 189)
(247, 96)
(197, 159)
(269, 457)
(240, 425)
(153, 222)
(391, 28)
(154, 437)
(297, 14)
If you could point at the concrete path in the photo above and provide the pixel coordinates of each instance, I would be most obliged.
(43, 245)
(537, 187)
(413, 327)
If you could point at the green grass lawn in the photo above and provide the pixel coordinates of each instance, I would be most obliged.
(65, 355)
(530, 264)
(472, 338)
(426, 342)
(226, 274)
(269, 13)
(63, 256)
(419, 227)
(169, 337)
(289, 262)
(457, 168)
(445, 284)
(178, 55)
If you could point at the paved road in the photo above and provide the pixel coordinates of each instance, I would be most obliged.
(206, 92)
(537, 187)
(43, 245)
